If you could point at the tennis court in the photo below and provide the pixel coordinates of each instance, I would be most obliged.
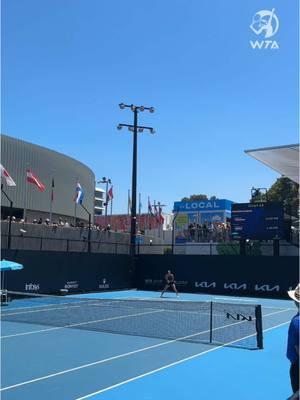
(49, 352)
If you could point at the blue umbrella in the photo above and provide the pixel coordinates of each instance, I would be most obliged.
(6, 265)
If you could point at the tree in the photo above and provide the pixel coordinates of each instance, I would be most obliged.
(285, 191)
(195, 197)
(258, 195)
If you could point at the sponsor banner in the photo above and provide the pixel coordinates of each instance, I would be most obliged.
(201, 205)
(221, 275)
(71, 285)
(181, 228)
(50, 271)
(104, 284)
(32, 287)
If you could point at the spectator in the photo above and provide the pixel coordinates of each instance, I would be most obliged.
(293, 343)
(205, 231)
(47, 221)
(40, 221)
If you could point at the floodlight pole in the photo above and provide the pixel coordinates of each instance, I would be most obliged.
(10, 216)
(134, 178)
(135, 129)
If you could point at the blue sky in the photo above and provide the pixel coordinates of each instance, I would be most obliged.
(67, 64)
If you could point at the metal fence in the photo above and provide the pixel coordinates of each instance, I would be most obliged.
(59, 244)
(222, 249)
(25, 242)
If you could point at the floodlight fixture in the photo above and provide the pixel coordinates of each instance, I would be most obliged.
(122, 106)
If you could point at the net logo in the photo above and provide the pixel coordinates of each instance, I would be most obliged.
(238, 317)
(266, 288)
(235, 286)
(205, 285)
(265, 23)
(32, 287)
(104, 285)
(71, 285)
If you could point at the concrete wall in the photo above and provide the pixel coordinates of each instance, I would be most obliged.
(56, 238)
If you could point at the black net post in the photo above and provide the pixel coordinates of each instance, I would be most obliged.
(259, 328)
(211, 322)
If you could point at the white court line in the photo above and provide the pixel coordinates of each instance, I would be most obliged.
(35, 309)
(233, 300)
(5, 312)
(168, 366)
(130, 353)
(80, 324)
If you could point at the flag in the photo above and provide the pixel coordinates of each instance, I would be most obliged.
(79, 194)
(52, 190)
(110, 194)
(8, 179)
(31, 178)
(149, 207)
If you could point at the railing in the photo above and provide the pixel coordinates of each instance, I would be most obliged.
(222, 249)
(26, 242)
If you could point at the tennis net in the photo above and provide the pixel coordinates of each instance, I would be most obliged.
(231, 324)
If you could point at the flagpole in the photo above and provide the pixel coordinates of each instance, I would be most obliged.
(75, 213)
(155, 214)
(139, 211)
(128, 211)
(158, 219)
(111, 208)
(148, 217)
(75, 207)
(26, 197)
(51, 199)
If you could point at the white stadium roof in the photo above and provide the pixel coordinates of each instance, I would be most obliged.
(283, 159)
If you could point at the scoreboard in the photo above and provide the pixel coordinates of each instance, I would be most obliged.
(257, 221)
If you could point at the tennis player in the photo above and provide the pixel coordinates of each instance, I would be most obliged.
(170, 283)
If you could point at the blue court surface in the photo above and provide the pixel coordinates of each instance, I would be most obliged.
(46, 361)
